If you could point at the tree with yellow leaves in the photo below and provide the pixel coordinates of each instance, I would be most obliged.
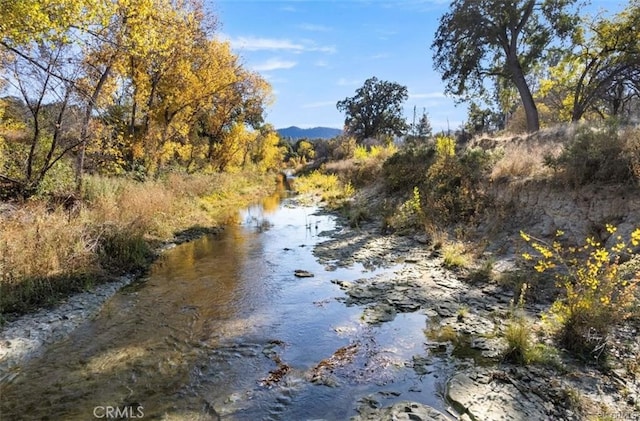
(597, 76)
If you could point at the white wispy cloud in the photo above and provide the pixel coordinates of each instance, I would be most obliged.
(314, 28)
(320, 104)
(274, 64)
(348, 82)
(379, 56)
(321, 63)
(428, 95)
(251, 43)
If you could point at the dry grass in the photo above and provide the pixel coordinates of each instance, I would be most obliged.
(524, 161)
(364, 168)
(456, 255)
(47, 251)
(524, 157)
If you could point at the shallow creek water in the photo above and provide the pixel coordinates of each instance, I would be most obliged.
(221, 328)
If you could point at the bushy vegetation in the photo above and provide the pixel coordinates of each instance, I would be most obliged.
(604, 154)
(48, 250)
(450, 182)
(595, 296)
(407, 164)
(522, 347)
(328, 187)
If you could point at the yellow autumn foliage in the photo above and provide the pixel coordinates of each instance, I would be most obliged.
(595, 296)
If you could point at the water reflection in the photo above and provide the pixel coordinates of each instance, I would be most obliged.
(208, 324)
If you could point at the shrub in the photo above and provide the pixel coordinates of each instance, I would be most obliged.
(60, 179)
(341, 147)
(360, 153)
(365, 166)
(603, 154)
(409, 215)
(450, 185)
(595, 298)
(445, 146)
(407, 164)
(454, 185)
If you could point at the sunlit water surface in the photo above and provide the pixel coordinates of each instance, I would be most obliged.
(198, 337)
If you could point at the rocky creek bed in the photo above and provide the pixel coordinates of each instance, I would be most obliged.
(465, 327)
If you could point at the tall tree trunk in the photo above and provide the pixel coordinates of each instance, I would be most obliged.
(530, 109)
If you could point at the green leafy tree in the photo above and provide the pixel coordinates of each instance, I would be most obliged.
(375, 110)
(480, 39)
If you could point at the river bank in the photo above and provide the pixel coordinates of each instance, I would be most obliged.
(27, 336)
(466, 325)
(463, 332)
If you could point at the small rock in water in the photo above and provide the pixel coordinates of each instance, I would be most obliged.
(303, 273)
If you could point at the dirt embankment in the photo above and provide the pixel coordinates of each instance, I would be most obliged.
(541, 208)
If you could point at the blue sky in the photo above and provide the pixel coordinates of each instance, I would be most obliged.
(316, 53)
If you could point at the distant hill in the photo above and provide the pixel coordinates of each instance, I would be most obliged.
(296, 133)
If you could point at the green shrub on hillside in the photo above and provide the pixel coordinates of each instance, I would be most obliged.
(409, 215)
(450, 184)
(454, 185)
(406, 168)
(600, 154)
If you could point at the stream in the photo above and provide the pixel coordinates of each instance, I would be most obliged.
(222, 328)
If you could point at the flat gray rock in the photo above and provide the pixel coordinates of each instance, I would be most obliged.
(404, 410)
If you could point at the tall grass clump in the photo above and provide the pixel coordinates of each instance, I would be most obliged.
(455, 255)
(42, 252)
(595, 297)
(522, 347)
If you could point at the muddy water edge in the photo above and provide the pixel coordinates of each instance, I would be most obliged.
(245, 325)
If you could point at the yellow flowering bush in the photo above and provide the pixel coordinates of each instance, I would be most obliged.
(595, 296)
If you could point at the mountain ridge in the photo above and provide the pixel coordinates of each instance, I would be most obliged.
(295, 133)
